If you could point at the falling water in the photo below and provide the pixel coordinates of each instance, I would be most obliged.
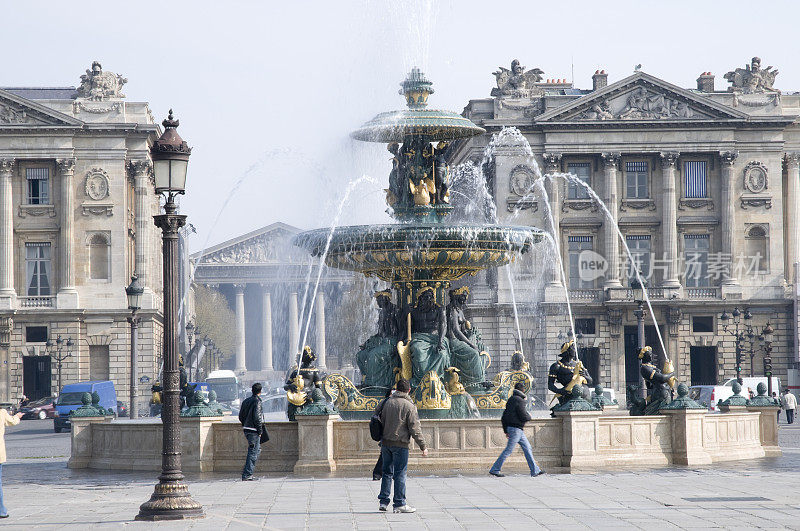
(350, 187)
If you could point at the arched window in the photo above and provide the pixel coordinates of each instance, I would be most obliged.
(756, 250)
(99, 257)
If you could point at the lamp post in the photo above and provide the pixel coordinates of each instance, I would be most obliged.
(766, 333)
(171, 499)
(736, 317)
(134, 293)
(59, 350)
(190, 355)
(638, 287)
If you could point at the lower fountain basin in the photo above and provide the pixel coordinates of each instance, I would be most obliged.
(449, 252)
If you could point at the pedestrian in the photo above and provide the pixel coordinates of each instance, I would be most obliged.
(777, 401)
(251, 417)
(789, 403)
(400, 421)
(5, 420)
(377, 472)
(514, 418)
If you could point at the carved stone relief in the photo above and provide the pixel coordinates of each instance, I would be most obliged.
(640, 104)
(96, 185)
(14, 115)
(521, 180)
(257, 250)
(755, 177)
(517, 82)
(752, 78)
(97, 85)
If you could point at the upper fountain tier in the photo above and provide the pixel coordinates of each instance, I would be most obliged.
(417, 120)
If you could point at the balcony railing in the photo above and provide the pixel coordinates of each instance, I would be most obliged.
(586, 295)
(36, 302)
(702, 293)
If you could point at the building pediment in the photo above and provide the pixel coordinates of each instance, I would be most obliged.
(641, 98)
(268, 245)
(16, 111)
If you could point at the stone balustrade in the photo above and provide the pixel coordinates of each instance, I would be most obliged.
(573, 441)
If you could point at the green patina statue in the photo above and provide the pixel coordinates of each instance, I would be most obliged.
(467, 351)
(575, 401)
(317, 406)
(683, 401)
(87, 409)
(301, 383)
(378, 358)
(213, 404)
(600, 400)
(198, 407)
(568, 372)
(762, 400)
(659, 386)
(428, 346)
(736, 399)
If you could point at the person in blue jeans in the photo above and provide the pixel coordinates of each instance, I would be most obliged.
(400, 421)
(251, 417)
(5, 420)
(514, 418)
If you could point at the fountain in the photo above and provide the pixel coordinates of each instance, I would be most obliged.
(423, 335)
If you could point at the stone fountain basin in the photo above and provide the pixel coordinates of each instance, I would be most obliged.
(450, 251)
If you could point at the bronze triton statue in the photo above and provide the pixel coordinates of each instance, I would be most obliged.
(301, 383)
(567, 372)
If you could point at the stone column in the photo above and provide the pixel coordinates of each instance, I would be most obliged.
(552, 165)
(7, 291)
(294, 329)
(140, 171)
(240, 342)
(669, 223)
(611, 239)
(320, 322)
(266, 342)
(792, 213)
(67, 294)
(728, 214)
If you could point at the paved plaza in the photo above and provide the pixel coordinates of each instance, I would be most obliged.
(40, 492)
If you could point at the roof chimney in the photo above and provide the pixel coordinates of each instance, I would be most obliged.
(599, 79)
(705, 83)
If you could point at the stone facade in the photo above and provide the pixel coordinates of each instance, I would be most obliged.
(76, 205)
(690, 176)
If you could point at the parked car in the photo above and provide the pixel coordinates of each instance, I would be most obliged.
(122, 409)
(70, 399)
(39, 409)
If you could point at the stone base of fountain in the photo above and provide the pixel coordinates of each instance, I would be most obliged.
(574, 441)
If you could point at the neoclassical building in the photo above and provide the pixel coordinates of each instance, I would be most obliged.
(265, 279)
(704, 185)
(76, 207)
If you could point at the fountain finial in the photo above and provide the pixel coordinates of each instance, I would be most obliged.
(416, 89)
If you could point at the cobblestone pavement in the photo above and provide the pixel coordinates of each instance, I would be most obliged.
(44, 494)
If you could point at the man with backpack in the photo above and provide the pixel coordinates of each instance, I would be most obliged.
(251, 415)
(400, 421)
(514, 418)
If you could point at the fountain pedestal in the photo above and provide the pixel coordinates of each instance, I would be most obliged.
(315, 439)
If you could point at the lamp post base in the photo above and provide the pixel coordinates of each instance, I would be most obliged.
(170, 501)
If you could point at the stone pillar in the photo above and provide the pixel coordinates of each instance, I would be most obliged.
(552, 165)
(728, 214)
(67, 294)
(687, 429)
(82, 449)
(140, 171)
(611, 239)
(266, 342)
(792, 213)
(580, 439)
(315, 438)
(240, 342)
(768, 429)
(669, 225)
(294, 329)
(7, 291)
(320, 322)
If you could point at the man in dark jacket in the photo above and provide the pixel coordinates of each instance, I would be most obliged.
(514, 418)
(250, 415)
(400, 421)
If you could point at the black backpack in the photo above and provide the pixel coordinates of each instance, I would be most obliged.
(376, 425)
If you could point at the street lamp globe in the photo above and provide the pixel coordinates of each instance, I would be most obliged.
(767, 332)
(170, 154)
(69, 342)
(134, 292)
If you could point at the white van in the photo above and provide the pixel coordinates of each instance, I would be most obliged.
(710, 395)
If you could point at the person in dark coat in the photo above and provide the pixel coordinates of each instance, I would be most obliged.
(251, 416)
(514, 418)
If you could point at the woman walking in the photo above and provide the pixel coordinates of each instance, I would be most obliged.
(5, 420)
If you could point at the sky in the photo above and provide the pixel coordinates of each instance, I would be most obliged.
(267, 92)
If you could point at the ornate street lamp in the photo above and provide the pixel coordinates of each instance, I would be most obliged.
(766, 333)
(59, 350)
(189, 354)
(134, 293)
(171, 499)
(736, 317)
(638, 287)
